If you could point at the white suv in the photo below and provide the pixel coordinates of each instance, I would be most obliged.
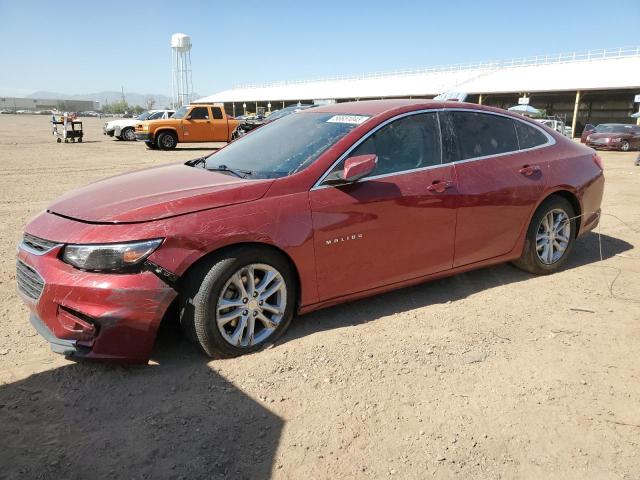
(123, 128)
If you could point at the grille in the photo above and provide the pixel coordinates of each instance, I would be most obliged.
(30, 283)
(37, 245)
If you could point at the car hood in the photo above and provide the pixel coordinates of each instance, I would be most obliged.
(156, 193)
(123, 122)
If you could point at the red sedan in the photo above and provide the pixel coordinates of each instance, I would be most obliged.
(324, 206)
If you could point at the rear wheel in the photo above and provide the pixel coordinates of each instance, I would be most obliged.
(550, 237)
(167, 141)
(239, 302)
(128, 134)
(625, 146)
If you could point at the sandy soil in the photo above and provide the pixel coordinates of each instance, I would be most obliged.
(489, 374)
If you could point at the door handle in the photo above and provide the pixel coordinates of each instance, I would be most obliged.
(528, 170)
(439, 186)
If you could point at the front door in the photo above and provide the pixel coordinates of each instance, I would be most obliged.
(197, 125)
(395, 225)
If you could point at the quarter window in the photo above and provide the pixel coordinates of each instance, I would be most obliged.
(217, 113)
(200, 113)
(406, 144)
(480, 135)
(528, 136)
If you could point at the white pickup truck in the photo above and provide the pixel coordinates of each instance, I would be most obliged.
(124, 128)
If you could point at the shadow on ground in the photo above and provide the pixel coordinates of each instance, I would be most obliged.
(179, 419)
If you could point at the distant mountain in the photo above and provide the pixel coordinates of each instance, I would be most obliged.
(161, 101)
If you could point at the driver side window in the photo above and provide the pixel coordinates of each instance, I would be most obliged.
(200, 113)
(406, 144)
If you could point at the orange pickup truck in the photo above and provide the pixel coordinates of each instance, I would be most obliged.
(190, 124)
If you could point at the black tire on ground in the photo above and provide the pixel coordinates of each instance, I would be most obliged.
(202, 287)
(167, 141)
(80, 140)
(530, 261)
(128, 134)
(59, 140)
(151, 145)
(625, 146)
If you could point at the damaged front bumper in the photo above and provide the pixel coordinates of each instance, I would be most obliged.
(102, 316)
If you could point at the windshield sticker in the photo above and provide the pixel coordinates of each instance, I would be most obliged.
(352, 119)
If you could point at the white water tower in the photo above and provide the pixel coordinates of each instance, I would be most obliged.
(181, 69)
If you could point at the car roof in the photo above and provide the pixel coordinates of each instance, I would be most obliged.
(378, 107)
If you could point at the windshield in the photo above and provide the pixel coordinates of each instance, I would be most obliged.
(143, 116)
(612, 128)
(181, 112)
(284, 147)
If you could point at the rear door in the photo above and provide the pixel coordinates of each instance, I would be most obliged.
(499, 183)
(220, 126)
(198, 126)
(395, 225)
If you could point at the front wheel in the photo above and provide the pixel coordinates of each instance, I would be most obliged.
(625, 146)
(167, 141)
(238, 303)
(550, 237)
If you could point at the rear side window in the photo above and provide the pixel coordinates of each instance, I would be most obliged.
(528, 136)
(480, 135)
(405, 144)
(217, 113)
(200, 113)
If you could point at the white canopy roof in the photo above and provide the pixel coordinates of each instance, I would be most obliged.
(594, 70)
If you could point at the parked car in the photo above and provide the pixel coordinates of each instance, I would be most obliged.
(555, 124)
(124, 128)
(249, 123)
(190, 124)
(323, 206)
(588, 128)
(614, 136)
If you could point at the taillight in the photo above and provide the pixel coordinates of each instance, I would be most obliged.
(597, 160)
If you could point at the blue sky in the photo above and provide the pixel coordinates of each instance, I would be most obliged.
(94, 46)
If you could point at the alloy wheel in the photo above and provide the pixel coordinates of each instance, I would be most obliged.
(129, 134)
(553, 236)
(251, 305)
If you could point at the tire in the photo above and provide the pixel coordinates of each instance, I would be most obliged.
(212, 282)
(625, 146)
(128, 134)
(237, 133)
(151, 145)
(531, 260)
(80, 140)
(167, 141)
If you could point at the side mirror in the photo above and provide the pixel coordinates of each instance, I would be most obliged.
(187, 117)
(355, 168)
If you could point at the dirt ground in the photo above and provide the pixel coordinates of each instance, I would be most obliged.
(490, 374)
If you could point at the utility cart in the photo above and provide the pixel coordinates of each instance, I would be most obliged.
(66, 127)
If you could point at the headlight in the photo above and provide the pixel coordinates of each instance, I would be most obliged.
(607, 140)
(588, 137)
(109, 257)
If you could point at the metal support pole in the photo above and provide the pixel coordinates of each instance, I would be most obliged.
(480, 100)
(576, 107)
